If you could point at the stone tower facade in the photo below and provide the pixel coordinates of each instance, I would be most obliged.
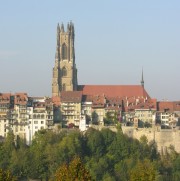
(64, 71)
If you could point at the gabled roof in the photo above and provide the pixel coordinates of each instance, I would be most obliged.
(165, 106)
(5, 98)
(148, 104)
(168, 106)
(114, 90)
(20, 98)
(98, 101)
(71, 96)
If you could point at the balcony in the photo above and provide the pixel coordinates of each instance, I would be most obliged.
(68, 108)
(39, 111)
(22, 112)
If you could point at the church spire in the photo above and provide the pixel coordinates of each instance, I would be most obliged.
(142, 79)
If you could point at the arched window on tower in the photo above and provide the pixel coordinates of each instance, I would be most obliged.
(64, 72)
(64, 87)
(64, 51)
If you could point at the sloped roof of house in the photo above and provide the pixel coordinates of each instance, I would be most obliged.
(148, 104)
(114, 90)
(165, 106)
(98, 101)
(20, 98)
(71, 96)
(87, 98)
(5, 98)
(177, 106)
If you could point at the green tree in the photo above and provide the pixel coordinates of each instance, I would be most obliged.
(6, 150)
(122, 169)
(108, 137)
(95, 143)
(176, 169)
(144, 140)
(144, 171)
(19, 162)
(38, 164)
(71, 145)
(94, 117)
(98, 167)
(111, 117)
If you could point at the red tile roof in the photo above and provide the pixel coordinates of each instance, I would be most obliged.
(168, 106)
(114, 90)
(56, 101)
(98, 101)
(5, 98)
(20, 98)
(87, 98)
(71, 96)
(177, 106)
(165, 106)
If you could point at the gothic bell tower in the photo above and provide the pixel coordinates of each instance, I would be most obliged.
(64, 71)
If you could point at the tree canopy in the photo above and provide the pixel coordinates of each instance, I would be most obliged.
(94, 155)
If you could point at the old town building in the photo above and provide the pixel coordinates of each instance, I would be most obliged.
(73, 105)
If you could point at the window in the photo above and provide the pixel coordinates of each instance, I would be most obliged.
(64, 87)
(64, 72)
(64, 51)
(42, 122)
(42, 116)
(35, 122)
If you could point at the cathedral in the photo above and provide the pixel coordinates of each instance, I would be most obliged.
(65, 71)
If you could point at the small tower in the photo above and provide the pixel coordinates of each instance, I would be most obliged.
(142, 79)
(64, 71)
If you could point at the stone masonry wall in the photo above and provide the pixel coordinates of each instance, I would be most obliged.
(163, 137)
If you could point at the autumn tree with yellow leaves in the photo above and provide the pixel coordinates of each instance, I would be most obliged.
(74, 171)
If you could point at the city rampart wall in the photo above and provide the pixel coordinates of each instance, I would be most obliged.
(164, 138)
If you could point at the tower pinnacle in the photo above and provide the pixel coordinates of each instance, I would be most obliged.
(142, 79)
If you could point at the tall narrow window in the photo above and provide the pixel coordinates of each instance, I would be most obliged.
(64, 87)
(64, 72)
(64, 51)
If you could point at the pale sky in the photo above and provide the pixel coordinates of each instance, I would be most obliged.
(114, 39)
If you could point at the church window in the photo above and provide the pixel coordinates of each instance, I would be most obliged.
(64, 72)
(64, 87)
(64, 51)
